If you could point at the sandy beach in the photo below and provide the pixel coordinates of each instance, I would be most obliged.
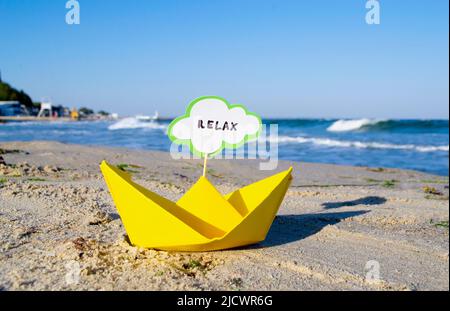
(56, 214)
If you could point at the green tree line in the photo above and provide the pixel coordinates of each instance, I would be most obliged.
(7, 93)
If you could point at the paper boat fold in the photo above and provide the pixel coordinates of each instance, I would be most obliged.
(203, 219)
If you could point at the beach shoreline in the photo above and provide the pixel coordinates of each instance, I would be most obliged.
(56, 214)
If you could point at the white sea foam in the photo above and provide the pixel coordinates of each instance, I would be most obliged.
(432, 148)
(355, 144)
(350, 125)
(133, 123)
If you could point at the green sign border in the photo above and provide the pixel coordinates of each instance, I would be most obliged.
(224, 145)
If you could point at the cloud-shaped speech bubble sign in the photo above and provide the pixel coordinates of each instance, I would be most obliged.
(212, 124)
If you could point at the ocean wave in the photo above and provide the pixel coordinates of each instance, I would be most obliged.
(356, 144)
(133, 123)
(351, 125)
(419, 126)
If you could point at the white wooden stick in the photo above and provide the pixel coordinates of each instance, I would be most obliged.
(204, 165)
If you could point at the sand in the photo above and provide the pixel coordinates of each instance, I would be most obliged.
(338, 228)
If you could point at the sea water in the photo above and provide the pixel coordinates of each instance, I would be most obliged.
(409, 144)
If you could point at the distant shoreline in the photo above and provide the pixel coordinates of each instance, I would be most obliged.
(46, 119)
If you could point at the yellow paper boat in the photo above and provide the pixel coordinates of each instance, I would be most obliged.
(203, 219)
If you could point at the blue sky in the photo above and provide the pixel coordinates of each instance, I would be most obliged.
(315, 58)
